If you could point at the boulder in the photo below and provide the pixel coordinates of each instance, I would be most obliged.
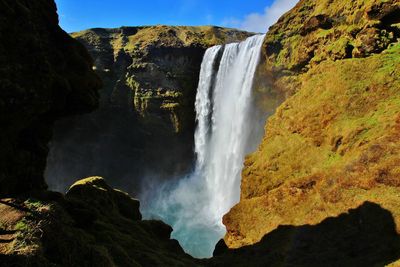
(95, 192)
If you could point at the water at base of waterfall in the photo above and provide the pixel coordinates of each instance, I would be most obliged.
(194, 205)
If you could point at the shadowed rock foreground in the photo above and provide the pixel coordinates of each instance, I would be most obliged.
(45, 74)
(95, 225)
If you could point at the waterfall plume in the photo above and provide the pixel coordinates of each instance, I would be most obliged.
(194, 205)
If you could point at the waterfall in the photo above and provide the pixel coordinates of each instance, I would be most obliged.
(204, 104)
(194, 205)
(226, 147)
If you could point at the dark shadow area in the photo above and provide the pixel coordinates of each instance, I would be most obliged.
(21, 261)
(365, 236)
(93, 225)
(45, 75)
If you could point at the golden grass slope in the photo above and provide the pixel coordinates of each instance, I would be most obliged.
(331, 146)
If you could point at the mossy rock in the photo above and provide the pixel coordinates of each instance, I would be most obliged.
(315, 31)
(95, 192)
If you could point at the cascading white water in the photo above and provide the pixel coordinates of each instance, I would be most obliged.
(194, 206)
(204, 104)
(226, 147)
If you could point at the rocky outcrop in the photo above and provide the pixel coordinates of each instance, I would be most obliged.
(314, 32)
(93, 225)
(333, 143)
(95, 192)
(146, 120)
(45, 74)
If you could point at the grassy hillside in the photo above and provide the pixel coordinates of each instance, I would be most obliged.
(333, 143)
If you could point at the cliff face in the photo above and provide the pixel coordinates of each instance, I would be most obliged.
(45, 74)
(146, 120)
(333, 143)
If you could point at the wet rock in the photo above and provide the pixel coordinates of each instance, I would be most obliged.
(220, 248)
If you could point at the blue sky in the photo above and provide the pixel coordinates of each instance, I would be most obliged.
(252, 15)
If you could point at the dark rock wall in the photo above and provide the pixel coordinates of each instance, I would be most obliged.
(44, 74)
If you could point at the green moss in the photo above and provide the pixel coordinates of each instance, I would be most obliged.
(358, 99)
(331, 160)
(339, 46)
(132, 83)
(170, 105)
(321, 33)
(296, 50)
(89, 181)
(22, 225)
(34, 204)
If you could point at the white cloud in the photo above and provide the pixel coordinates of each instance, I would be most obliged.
(260, 22)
